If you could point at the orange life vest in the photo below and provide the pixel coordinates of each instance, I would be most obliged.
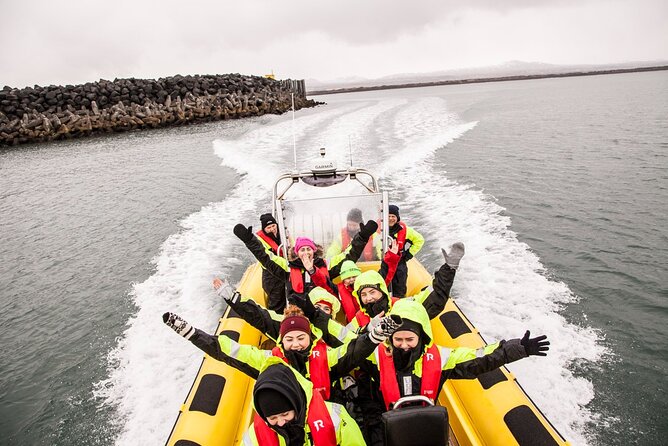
(401, 236)
(367, 254)
(318, 367)
(319, 421)
(431, 375)
(348, 302)
(297, 278)
(271, 242)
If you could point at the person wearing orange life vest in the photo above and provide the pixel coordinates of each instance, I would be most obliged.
(343, 239)
(297, 345)
(349, 272)
(308, 269)
(290, 413)
(410, 363)
(410, 243)
(273, 286)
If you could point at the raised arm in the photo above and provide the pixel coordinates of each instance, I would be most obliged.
(390, 262)
(355, 250)
(245, 358)
(276, 265)
(435, 298)
(266, 321)
(468, 363)
(320, 276)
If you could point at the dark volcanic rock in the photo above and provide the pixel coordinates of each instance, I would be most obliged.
(58, 112)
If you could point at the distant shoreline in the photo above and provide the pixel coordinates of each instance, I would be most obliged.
(485, 79)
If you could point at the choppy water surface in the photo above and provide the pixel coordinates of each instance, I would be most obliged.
(557, 187)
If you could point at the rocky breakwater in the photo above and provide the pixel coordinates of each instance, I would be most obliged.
(57, 112)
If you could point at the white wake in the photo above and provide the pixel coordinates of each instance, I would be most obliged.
(501, 284)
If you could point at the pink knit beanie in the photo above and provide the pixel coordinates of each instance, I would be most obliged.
(304, 241)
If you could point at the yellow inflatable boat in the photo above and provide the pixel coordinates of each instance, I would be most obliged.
(490, 410)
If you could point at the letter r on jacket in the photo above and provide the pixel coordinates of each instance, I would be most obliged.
(430, 357)
(316, 354)
(319, 424)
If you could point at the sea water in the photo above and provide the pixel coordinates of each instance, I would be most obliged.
(557, 187)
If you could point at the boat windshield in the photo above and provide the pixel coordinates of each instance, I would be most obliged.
(332, 221)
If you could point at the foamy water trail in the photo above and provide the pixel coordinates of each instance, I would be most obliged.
(354, 132)
(501, 284)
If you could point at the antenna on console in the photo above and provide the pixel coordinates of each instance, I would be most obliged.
(294, 143)
(350, 151)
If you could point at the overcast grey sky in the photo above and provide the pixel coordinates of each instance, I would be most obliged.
(75, 41)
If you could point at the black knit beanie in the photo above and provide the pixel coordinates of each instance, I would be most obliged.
(394, 210)
(266, 220)
(272, 402)
(355, 215)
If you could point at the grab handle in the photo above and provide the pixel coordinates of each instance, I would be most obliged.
(412, 399)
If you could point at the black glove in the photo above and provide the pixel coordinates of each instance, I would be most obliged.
(368, 229)
(382, 328)
(407, 256)
(177, 324)
(304, 302)
(535, 346)
(376, 308)
(244, 233)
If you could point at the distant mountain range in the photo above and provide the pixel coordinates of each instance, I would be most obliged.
(511, 68)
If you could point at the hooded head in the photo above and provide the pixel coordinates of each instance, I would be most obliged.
(371, 293)
(414, 335)
(415, 320)
(321, 297)
(273, 402)
(280, 399)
